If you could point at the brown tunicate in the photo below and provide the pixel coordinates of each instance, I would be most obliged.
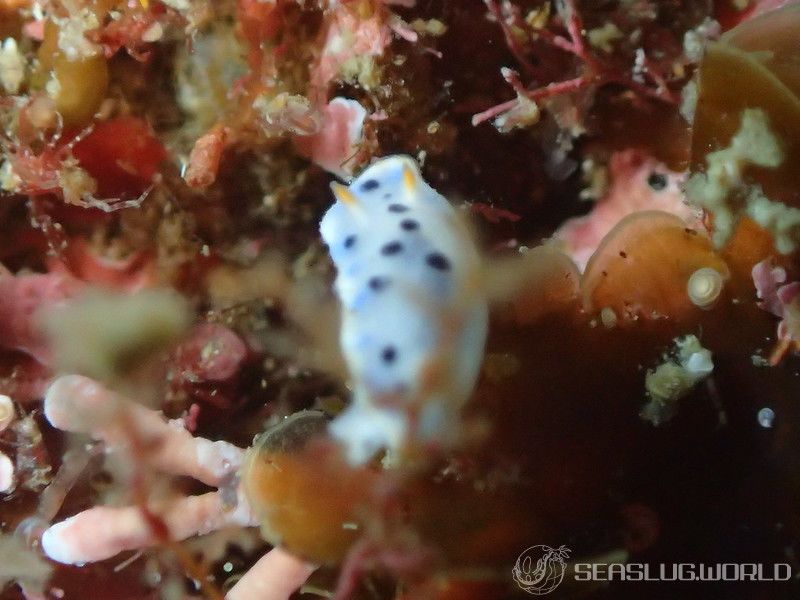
(310, 501)
(642, 267)
(749, 245)
(77, 85)
(306, 497)
(753, 66)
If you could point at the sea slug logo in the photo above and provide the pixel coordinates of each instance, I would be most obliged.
(540, 569)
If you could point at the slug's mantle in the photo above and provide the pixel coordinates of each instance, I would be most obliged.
(414, 319)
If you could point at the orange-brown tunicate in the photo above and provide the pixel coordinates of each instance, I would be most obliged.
(306, 496)
(76, 84)
(748, 246)
(643, 267)
(754, 66)
(309, 500)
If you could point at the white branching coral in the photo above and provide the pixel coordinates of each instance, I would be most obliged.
(7, 412)
(80, 405)
(7, 478)
(7, 416)
(720, 189)
(684, 368)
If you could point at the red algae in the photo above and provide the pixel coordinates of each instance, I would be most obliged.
(635, 183)
(122, 155)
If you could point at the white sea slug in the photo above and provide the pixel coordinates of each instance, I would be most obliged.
(414, 314)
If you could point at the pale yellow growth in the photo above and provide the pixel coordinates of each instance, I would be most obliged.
(782, 221)
(430, 27)
(7, 412)
(361, 69)
(717, 189)
(687, 366)
(76, 183)
(286, 112)
(604, 37)
(608, 318)
(9, 181)
(595, 176)
(228, 286)
(525, 113)
(205, 72)
(538, 18)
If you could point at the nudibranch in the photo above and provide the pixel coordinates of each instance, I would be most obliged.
(414, 312)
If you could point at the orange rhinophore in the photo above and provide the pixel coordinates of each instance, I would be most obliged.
(643, 267)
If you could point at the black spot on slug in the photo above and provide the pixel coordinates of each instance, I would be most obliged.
(438, 261)
(657, 181)
(389, 354)
(369, 185)
(349, 241)
(409, 224)
(392, 248)
(387, 195)
(376, 284)
(397, 208)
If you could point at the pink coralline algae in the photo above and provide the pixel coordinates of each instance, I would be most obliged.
(205, 364)
(23, 296)
(26, 294)
(335, 146)
(347, 36)
(637, 183)
(782, 299)
(212, 353)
